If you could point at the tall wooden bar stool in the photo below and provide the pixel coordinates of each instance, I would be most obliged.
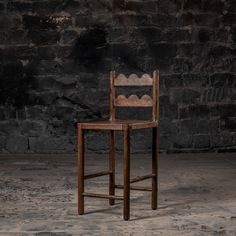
(126, 126)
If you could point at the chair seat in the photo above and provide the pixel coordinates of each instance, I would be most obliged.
(118, 124)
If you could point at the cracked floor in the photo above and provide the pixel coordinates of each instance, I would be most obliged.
(197, 196)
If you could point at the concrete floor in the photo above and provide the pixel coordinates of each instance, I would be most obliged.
(38, 196)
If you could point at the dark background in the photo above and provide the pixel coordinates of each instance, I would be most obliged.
(55, 57)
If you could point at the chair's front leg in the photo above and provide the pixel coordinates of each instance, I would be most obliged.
(112, 150)
(154, 167)
(126, 173)
(80, 170)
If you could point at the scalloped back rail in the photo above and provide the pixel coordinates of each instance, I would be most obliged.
(133, 100)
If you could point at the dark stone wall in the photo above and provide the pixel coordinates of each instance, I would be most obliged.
(55, 56)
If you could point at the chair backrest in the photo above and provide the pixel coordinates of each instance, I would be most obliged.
(133, 100)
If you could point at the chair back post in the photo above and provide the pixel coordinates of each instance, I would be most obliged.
(155, 96)
(112, 95)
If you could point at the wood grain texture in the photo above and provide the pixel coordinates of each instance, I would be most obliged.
(154, 168)
(80, 170)
(126, 173)
(106, 196)
(133, 80)
(119, 124)
(112, 95)
(134, 101)
(112, 153)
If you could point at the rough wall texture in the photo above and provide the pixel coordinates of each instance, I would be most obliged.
(55, 56)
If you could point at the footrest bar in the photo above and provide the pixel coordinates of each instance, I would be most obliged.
(140, 178)
(97, 174)
(135, 188)
(97, 195)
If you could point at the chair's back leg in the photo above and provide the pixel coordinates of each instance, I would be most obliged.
(80, 170)
(112, 150)
(126, 173)
(154, 167)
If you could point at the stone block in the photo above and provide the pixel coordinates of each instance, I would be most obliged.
(201, 141)
(183, 141)
(141, 7)
(234, 138)
(214, 6)
(34, 22)
(185, 95)
(201, 111)
(32, 128)
(17, 144)
(195, 80)
(9, 21)
(163, 51)
(222, 139)
(166, 142)
(172, 80)
(230, 124)
(164, 21)
(35, 112)
(43, 37)
(47, 144)
(2, 142)
(12, 37)
(185, 19)
(229, 19)
(193, 5)
(141, 141)
(169, 6)
(97, 141)
(8, 127)
(19, 6)
(220, 80)
(168, 128)
(177, 35)
(68, 36)
(150, 34)
(2, 6)
(2, 114)
(131, 20)
(181, 65)
(207, 20)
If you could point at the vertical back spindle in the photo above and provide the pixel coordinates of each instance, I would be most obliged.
(154, 95)
(112, 95)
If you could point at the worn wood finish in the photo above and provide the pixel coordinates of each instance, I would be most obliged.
(112, 150)
(80, 170)
(134, 101)
(119, 186)
(154, 168)
(98, 195)
(141, 178)
(98, 174)
(126, 211)
(112, 96)
(133, 80)
(126, 126)
(119, 124)
(154, 95)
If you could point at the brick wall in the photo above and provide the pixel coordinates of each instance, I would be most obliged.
(55, 56)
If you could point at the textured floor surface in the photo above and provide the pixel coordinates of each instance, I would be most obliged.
(197, 196)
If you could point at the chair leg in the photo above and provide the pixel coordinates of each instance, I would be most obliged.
(154, 167)
(112, 166)
(80, 171)
(126, 213)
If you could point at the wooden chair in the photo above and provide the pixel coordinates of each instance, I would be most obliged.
(126, 126)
